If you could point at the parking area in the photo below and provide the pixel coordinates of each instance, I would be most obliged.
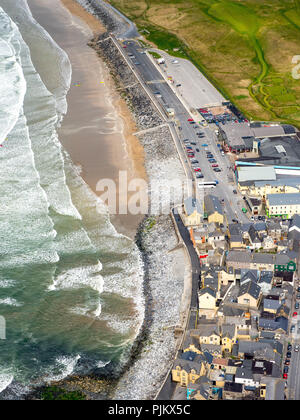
(190, 83)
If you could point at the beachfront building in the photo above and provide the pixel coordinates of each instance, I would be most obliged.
(207, 298)
(283, 205)
(193, 212)
(213, 209)
(185, 371)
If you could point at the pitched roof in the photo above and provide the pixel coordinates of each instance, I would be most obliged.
(212, 205)
(191, 205)
(283, 199)
(251, 288)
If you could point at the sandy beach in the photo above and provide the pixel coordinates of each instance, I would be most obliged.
(98, 129)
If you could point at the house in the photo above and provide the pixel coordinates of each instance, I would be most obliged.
(213, 209)
(272, 389)
(232, 391)
(255, 239)
(294, 228)
(271, 305)
(235, 236)
(200, 389)
(207, 298)
(270, 350)
(283, 205)
(249, 294)
(192, 212)
(207, 334)
(245, 377)
(191, 344)
(228, 332)
(184, 371)
(265, 281)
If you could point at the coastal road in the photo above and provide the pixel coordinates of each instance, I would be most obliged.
(165, 96)
(168, 389)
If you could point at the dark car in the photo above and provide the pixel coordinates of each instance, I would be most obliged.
(199, 175)
(234, 191)
(286, 369)
(297, 305)
(298, 296)
(235, 221)
(217, 169)
(298, 290)
(195, 161)
(289, 347)
(287, 362)
(192, 142)
(288, 354)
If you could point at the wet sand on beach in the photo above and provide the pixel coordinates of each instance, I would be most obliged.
(98, 129)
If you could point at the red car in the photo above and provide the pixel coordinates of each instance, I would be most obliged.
(190, 119)
(285, 376)
(215, 165)
(197, 169)
(295, 314)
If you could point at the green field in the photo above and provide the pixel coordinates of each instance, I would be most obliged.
(244, 47)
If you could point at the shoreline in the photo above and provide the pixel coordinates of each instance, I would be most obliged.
(154, 347)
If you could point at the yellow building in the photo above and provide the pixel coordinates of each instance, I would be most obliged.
(264, 188)
(283, 205)
(207, 298)
(213, 209)
(207, 334)
(193, 212)
(228, 338)
(185, 371)
(249, 294)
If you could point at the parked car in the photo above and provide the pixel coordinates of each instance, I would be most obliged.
(297, 305)
(195, 161)
(192, 142)
(298, 296)
(204, 145)
(286, 369)
(217, 169)
(289, 347)
(295, 314)
(215, 165)
(235, 221)
(296, 348)
(285, 376)
(288, 354)
(197, 169)
(292, 328)
(199, 175)
(287, 362)
(298, 290)
(197, 150)
(234, 191)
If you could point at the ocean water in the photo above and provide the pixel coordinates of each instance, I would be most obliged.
(70, 285)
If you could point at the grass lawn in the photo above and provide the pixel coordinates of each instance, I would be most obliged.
(244, 48)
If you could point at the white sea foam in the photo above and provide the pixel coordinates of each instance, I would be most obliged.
(10, 302)
(65, 366)
(5, 379)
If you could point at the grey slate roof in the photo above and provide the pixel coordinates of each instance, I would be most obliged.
(283, 199)
(228, 330)
(212, 204)
(192, 204)
(208, 290)
(271, 304)
(250, 287)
